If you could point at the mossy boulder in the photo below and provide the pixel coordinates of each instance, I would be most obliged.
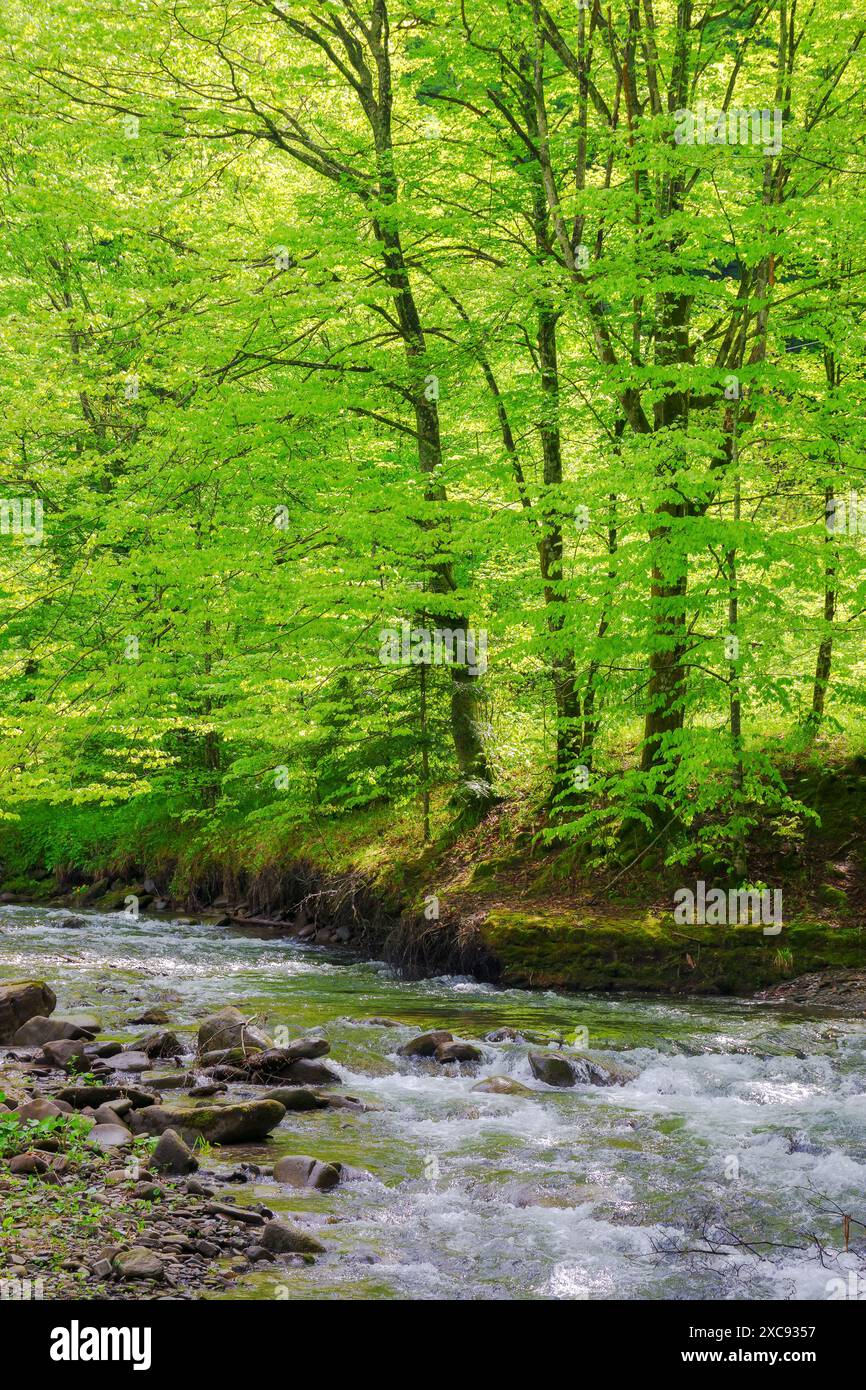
(245, 1122)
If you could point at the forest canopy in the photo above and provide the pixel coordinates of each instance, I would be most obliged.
(455, 400)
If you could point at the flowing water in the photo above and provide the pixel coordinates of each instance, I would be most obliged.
(743, 1123)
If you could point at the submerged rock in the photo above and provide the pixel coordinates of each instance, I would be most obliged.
(168, 1080)
(502, 1086)
(21, 1000)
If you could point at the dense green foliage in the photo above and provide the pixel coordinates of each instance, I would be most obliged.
(322, 319)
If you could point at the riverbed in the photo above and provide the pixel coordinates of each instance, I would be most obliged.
(742, 1123)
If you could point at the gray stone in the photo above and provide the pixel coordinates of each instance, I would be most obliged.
(162, 1044)
(113, 1136)
(305, 1072)
(281, 1239)
(139, 1263)
(230, 1028)
(241, 1123)
(130, 1061)
(299, 1170)
(21, 1000)
(39, 1109)
(172, 1155)
(68, 1053)
(552, 1068)
(80, 1096)
(425, 1044)
(38, 1030)
(297, 1098)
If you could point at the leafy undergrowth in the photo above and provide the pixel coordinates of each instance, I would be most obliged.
(498, 899)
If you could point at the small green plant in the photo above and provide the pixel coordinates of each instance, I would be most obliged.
(16, 1134)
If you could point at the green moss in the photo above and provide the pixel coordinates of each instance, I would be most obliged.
(553, 949)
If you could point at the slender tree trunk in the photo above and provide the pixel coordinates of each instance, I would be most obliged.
(824, 663)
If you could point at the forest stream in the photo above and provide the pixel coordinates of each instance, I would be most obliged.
(741, 1122)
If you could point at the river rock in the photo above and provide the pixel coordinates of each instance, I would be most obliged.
(306, 1072)
(245, 1122)
(168, 1080)
(80, 1096)
(111, 1136)
(502, 1086)
(88, 1022)
(425, 1044)
(457, 1052)
(139, 1263)
(132, 1061)
(277, 1062)
(299, 1170)
(557, 1070)
(111, 1114)
(28, 1165)
(230, 1028)
(151, 1016)
(282, 1239)
(552, 1068)
(224, 1056)
(21, 1000)
(39, 1109)
(99, 1051)
(162, 1044)
(70, 923)
(297, 1098)
(337, 1102)
(172, 1155)
(38, 1030)
(68, 1053)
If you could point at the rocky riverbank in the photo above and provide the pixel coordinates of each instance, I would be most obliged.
(105, 1146)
